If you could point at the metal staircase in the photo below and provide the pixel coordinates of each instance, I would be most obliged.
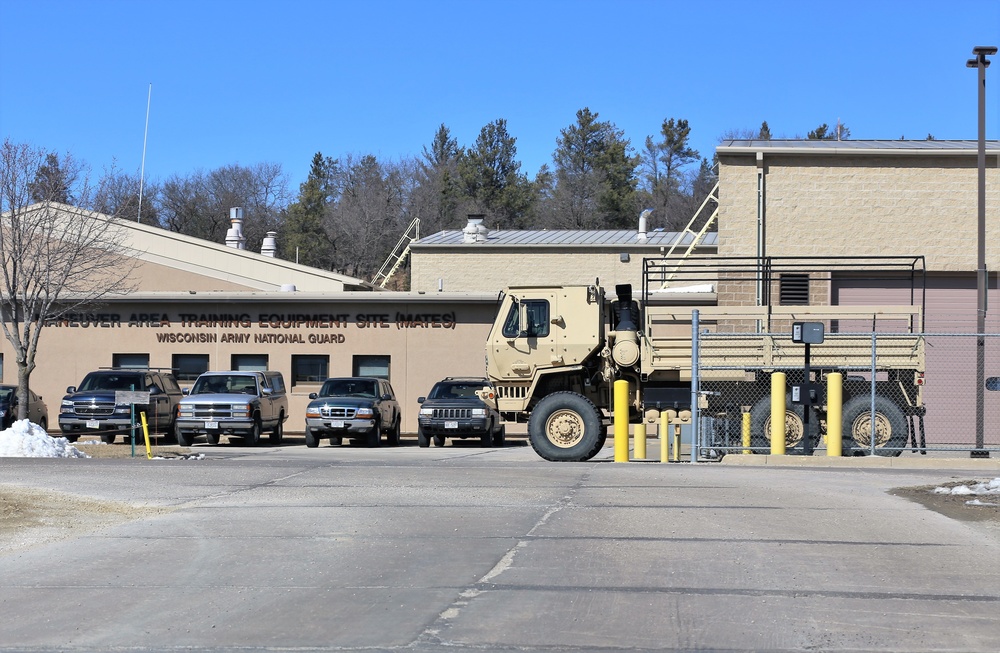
(696, 238)
(398, 255)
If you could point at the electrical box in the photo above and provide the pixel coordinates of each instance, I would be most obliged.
(810, 333)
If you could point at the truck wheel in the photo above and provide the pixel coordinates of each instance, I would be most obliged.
(70, 437)
(213, 438)
(565, 426)
(183, 439)
(252, 439)
(393, 437)
(438, 440)
(108, 438)
(891, 429)
(422, 439)
(760, 424)
(500, 436)
(311, 440)
(486, 439)
(375, 436)
(278, 431)
(337, 440)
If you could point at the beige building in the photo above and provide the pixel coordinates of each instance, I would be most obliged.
(203, 305)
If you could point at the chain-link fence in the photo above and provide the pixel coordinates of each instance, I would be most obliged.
(901, 392)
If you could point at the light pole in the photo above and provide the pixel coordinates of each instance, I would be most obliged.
(981, 63)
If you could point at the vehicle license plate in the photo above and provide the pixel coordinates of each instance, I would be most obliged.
(451, 425)
(93, 424)
(337, 424)
(211, 425)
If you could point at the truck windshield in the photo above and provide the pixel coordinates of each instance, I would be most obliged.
(91, 382)
(537, 319)
(225, 384)
(456, 390)
(349, 388)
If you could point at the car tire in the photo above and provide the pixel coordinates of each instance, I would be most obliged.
(393, 438)
(71, 437)
(43, 424)
(213, 438)
(500, 437)
(422, 439)
(252, 439)
(312, 440)
(278, 432)
(337, 440)
(374, 439)
(486, 439)
(108, 438)
(183, 440)
(438, 440)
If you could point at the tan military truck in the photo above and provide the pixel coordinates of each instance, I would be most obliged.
(554, 352)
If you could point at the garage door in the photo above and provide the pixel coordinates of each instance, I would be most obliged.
(950, 393)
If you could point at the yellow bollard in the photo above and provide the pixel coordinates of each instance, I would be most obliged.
(834, 414)
(664, 437)
(778, 413)
(746, 433)
(621, 421)
(640, 441)
(145, 434)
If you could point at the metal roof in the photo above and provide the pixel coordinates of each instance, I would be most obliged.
(806, 146)
(574, 238)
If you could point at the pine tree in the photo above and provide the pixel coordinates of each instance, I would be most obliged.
(305, 238)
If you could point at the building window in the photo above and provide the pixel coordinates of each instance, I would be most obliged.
(310, 369)
(249, 362)
(130, 361)
(376, 366)
(188, 367)
(794, 289)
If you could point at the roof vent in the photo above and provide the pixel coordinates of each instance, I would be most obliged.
(234, 237)
(642, 224)
(270, 245)
(475, 231)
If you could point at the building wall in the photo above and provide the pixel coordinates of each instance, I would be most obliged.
(425, 341)
(477, 268)
(843, 205)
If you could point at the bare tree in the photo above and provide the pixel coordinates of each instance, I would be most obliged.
(54, 259)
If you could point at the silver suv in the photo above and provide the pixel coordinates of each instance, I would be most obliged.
(241, 404)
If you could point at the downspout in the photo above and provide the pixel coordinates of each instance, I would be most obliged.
(761, 234)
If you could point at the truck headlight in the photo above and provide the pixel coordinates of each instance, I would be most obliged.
(312, 411)
(240, 410)
(66, 406)
(365, 412)
(185, 411)
(124, 409)
(479, 412)
(429, 412)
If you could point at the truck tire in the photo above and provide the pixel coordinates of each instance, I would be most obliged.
(393, 437)
(183, 439)
(438, 440)
(278, 431)
(760, 424)
(891, 428)
(565, 426)
(312, 441)
(422, 439)
(486, 439)
(374, 439)
(213, 438)
(337, 440)
(71, 437)
(252, 439)
(108, 438)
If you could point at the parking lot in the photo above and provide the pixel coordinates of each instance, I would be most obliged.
(469, 548)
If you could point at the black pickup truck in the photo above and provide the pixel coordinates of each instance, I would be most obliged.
(92, 407)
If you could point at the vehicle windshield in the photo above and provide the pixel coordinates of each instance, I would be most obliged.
(457, 390)
(225, 384)
(131, 382)
(349, 388)
(6, 394)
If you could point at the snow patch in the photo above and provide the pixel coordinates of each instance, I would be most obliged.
(26, 440)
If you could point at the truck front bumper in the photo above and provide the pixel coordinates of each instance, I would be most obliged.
(82, 425)
(473, 426)
(344, 427)
(222, 427)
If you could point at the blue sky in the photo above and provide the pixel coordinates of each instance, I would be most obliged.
(250, 82)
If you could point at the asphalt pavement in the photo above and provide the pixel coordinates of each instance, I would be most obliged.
(468, 549)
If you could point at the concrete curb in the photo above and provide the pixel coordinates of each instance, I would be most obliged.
(862, 462)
